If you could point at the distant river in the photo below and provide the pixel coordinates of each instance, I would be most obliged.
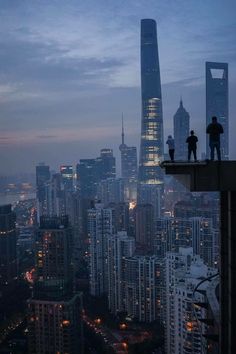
(13, 198)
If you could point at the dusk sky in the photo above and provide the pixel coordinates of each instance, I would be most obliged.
(69, 68)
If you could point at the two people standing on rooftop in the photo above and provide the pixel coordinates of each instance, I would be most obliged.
(214, 130)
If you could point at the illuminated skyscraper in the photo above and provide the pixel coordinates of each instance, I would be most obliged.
(151, 149)
(150, 188)
(181, 132)
(67, 177)
(42, 179)
(217, 102)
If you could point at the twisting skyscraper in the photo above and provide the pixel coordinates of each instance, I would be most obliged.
(151, 148)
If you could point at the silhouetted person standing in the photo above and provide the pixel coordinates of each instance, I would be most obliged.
(214, 130)
(171, 145)
(192, 145)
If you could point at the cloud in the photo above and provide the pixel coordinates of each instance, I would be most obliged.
(46, 136)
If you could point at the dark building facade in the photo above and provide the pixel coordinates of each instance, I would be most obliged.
(217, 96)
(144, 227)
(8, 258)
(106, 164)
(91, 171)
(87, 178)
(42, 176)
(54, 309)
(42, 179)
(181, 132)
(67, 177)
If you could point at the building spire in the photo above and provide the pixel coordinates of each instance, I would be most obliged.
(123, 134)
(181, 101)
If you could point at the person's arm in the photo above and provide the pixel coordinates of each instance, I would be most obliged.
(208, 129)
(196, 139)
(221, 129)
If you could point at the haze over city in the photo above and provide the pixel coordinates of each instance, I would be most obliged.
(69, 69)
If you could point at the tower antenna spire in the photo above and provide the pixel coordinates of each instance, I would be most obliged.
(123, 134)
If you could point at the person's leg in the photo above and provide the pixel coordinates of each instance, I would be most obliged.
(189, 154)
(195, 154)
(217, 145)
(171, 152)
(212, 150)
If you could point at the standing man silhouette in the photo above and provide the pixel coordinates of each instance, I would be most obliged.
(192, 145)
(214, 130)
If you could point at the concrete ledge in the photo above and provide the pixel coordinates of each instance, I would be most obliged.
(203, 176)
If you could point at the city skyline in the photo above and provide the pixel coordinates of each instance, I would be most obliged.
(62, 74)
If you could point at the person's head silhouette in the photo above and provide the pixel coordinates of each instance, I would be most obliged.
(192, 132)
(214, 119)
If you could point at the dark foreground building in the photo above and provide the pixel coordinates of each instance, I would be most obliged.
(8, 263)
(54, 309)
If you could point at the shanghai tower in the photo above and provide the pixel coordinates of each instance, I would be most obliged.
(150, 188)
(151, 149)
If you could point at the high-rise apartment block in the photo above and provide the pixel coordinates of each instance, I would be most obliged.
(53, 310)
(181, 132)
(120, 246)
(217, 102)
(198, 206)
(143, 284)
(197, 232)
(184, 326)
(100, 227)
